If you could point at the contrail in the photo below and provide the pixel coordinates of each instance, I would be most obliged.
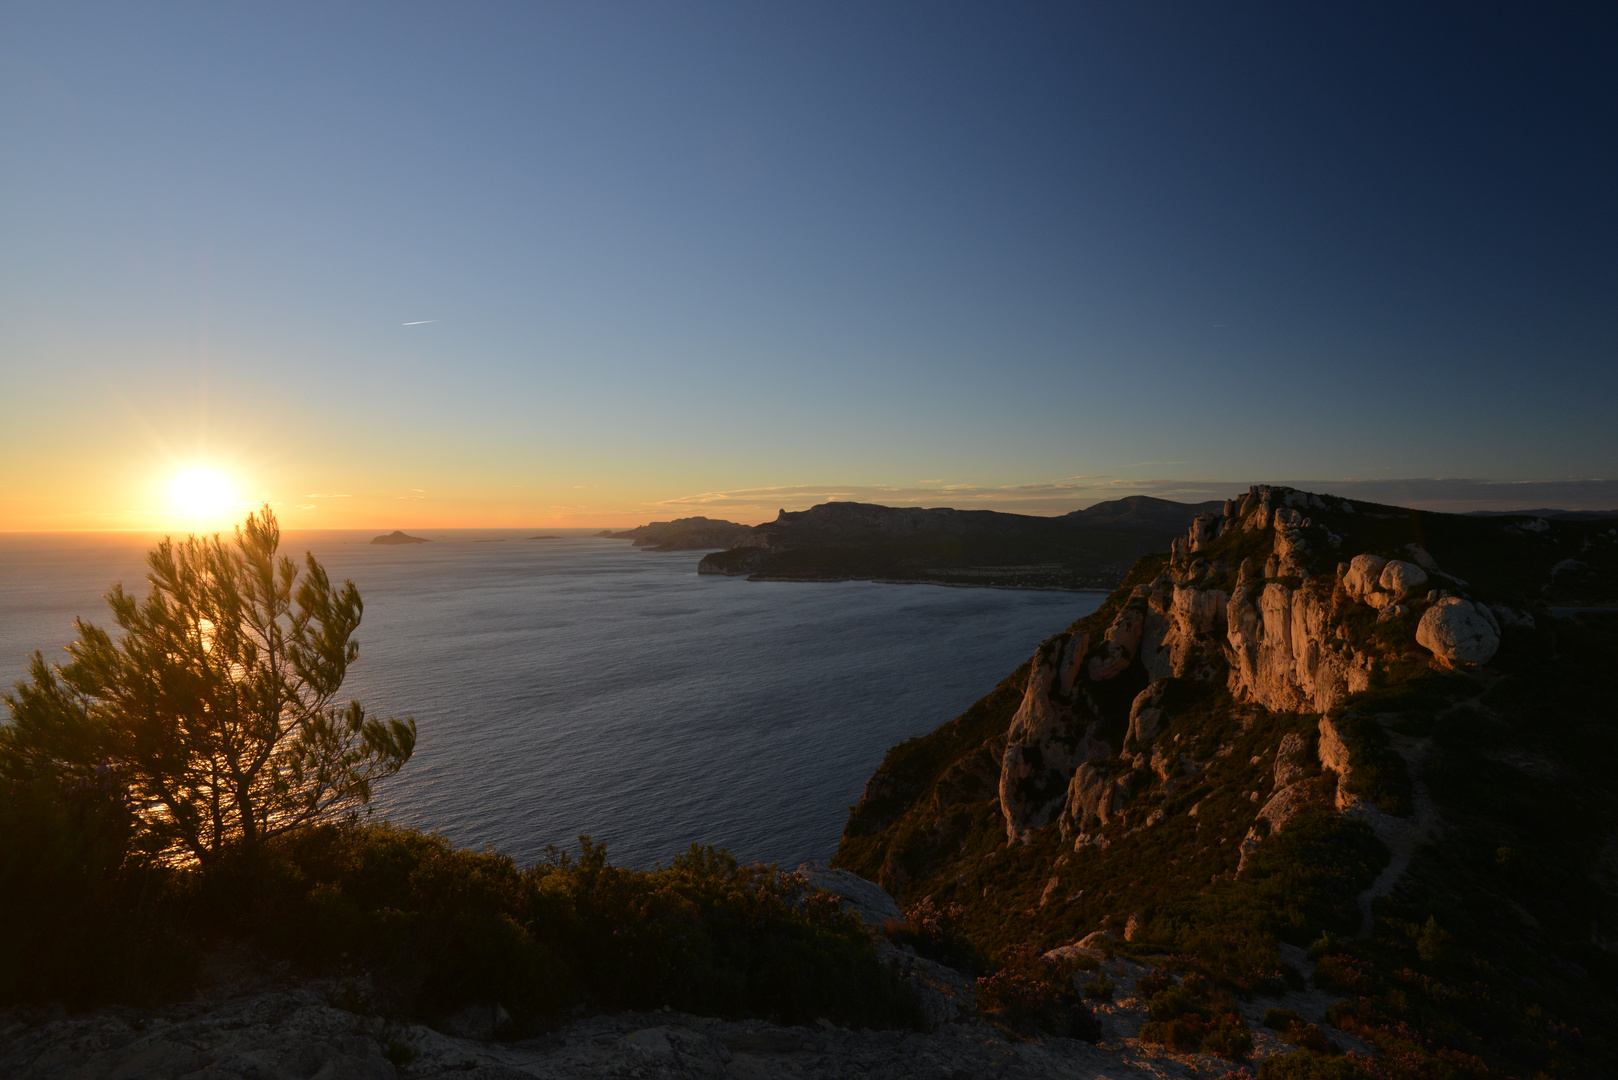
(419, 322)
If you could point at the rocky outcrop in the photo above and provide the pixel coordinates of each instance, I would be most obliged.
(1287, 766)
(1281, 655)
(1120, 645)
(1092, 794)
(1182, 629)
(1459, 632)
(1278, 640)
(1334, 757)
(1047, 739)
(1145, 714)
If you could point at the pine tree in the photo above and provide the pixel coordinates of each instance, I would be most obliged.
(216, 711)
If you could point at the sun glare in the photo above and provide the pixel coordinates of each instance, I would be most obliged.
(202, 492)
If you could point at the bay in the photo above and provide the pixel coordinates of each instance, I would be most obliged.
(579, 685)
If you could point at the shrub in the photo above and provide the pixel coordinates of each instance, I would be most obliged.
(1187, 1021)
(446, 927)
(937, 933)
(1153, 981)
(1304, 1065)
(1100, 988)
(1174, 1002)
(1030, 994)
(1228, 1037)
(1281, 1019)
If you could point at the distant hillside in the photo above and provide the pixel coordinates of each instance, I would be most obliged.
(1553, 515)
(841, 541)
(682, 534)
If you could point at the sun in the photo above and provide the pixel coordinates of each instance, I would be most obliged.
(202, 492)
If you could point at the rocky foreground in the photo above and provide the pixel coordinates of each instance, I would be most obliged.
(318, 1031)
(254, 1020)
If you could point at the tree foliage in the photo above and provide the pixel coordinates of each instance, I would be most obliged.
(216, 710)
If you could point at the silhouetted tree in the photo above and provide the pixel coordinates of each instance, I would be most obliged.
(215, 711)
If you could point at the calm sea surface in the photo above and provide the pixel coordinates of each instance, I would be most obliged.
(580, 685)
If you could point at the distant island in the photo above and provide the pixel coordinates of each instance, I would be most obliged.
(683, 534)
(397, 537)
(843, 541)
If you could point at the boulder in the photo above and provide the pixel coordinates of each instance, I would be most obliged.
(1364, 575)
(866, 899)
(1288, 803)
(1403, 579)
(478, 1021)
(1459, 632)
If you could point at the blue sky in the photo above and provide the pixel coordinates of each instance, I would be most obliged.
(743, 256)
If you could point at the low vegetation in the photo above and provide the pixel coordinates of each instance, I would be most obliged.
(439, 927)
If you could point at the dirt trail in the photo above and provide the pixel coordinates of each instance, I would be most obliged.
(1402, 835)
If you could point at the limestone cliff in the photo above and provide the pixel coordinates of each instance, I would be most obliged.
(1225, 693)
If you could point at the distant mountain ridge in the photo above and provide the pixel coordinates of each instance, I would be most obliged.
(1549, 514)
(841, 541)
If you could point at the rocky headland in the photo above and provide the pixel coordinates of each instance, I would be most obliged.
(682, 534)
(1087, 549)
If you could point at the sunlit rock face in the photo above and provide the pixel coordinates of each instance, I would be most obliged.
(1280, 655)
(1254, 597)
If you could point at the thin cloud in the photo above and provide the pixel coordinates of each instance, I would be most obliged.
(419, 322)
(319, 495)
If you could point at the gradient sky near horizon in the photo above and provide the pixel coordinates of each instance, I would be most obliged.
(434, 265)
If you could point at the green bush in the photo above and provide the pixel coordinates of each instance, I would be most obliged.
(1281, 1019)
(1187, 1021)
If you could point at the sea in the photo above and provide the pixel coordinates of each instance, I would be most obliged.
(578, 685)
